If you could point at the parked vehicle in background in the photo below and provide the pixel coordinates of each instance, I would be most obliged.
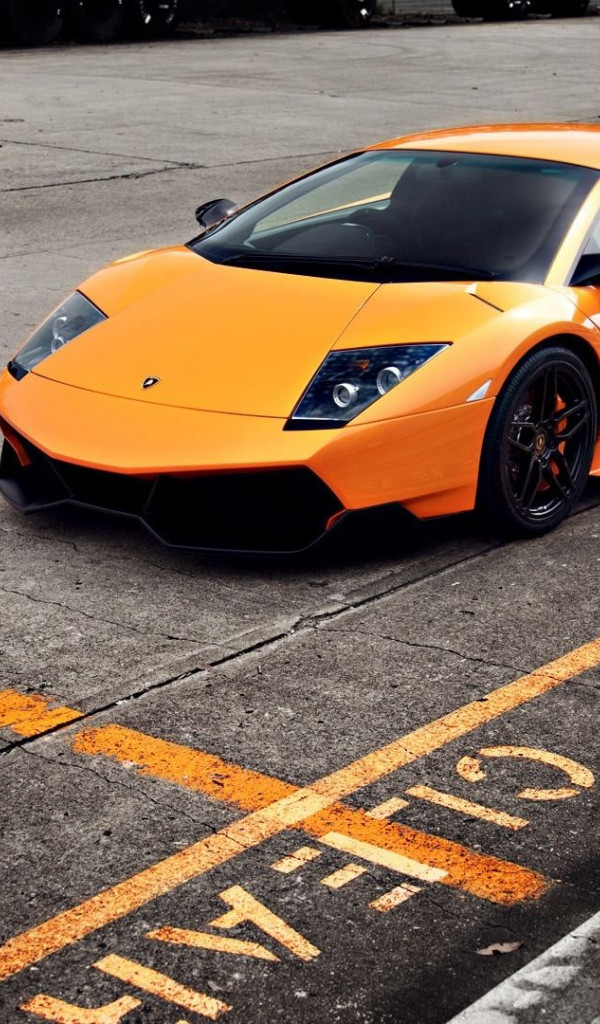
(351, 13)
(38, 22)
(505, 10)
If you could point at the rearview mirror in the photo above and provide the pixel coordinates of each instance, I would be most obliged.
(587, 271)
(214, 212)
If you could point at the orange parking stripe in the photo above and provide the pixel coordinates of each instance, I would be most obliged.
(194, 769)
(480, 874)
(166, 875)
(486, 877)
(30, 714)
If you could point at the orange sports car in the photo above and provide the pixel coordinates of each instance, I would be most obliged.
(413, 327)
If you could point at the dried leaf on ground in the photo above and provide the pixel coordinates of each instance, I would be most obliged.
(499, 947)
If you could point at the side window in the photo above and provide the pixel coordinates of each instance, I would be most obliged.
(593, 246)
(368, 184)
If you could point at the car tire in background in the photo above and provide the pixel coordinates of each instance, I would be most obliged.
(493, 10)
(354, 13)
(97, 21)
(152, 19)
(32, 22)
(506, 10)
(469, 8)
(341, 13)
(539, 444)
(567, 8)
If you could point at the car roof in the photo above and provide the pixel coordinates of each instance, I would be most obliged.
(566, 143)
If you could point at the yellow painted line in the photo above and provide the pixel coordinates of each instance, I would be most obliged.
(66, 1013)
(434, 735)
(394, 898)
(473, 810)
(482, 875)
(31, 714)
(245, 908)
(469, 768)
(344, 875)
(166, 875)
(486, 877)
(385, 858)
(133, 973)
(218, 943)
(388, 808)
(472, 770)
(296, 860)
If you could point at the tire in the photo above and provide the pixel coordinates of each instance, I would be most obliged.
(539, 444)
(469, 8)
(353, 13)
(152, 19)
(567, 8)
(32, 22)
(340, 13)
(97, 21)
(506, 10)
(303, 12)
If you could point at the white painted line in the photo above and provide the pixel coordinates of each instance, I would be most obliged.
(388, 808)
(386, 858)
(394, 898)
(537, 983)
(296, 860)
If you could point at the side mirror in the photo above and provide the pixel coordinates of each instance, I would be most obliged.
(587, 271)
(214, 212)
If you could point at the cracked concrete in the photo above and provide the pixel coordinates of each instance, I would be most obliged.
(443, 649)
(245, 645)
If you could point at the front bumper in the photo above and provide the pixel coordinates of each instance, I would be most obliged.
(227, 481)
(262, 511)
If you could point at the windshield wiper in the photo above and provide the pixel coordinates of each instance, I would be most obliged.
(301, 258)
(382, 265)
(442, 268)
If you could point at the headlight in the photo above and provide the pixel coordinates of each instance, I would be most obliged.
(348, 381)
(71, 319)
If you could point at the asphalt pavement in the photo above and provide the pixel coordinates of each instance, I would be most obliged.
(281, 790)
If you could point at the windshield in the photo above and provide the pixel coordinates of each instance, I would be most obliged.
(406, 215)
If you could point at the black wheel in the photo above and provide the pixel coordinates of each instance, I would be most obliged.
(304, 12)
(97, 21)
(353, 13)
(32, 22)
(506, 10)
(151, 19)
(567, 8)
(469, 8)
(349, 13)
(539, 444)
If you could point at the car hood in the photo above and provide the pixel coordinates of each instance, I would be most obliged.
(228, 339)
(218, 338)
